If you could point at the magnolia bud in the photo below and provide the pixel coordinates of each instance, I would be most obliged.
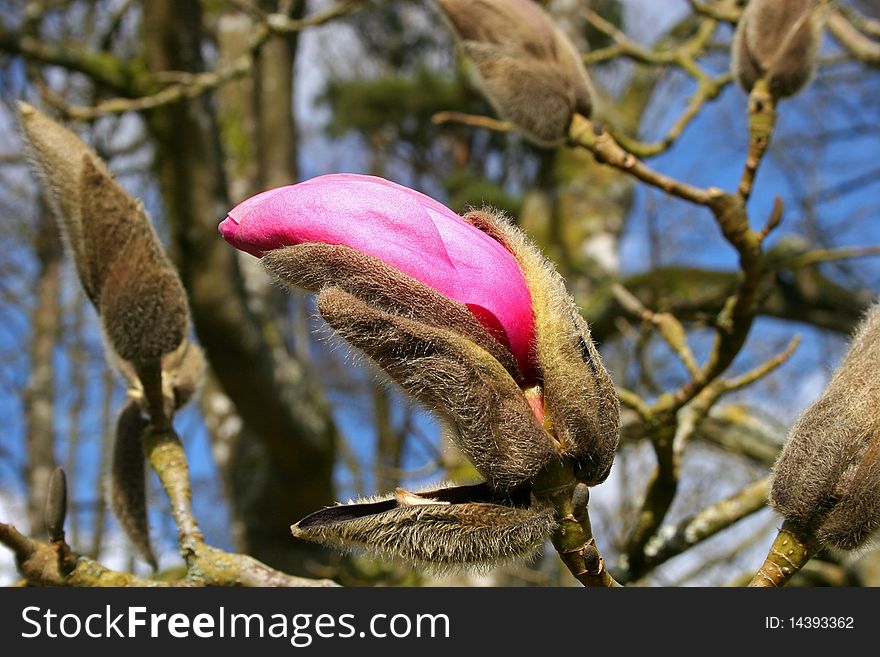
(528, 69)
(128, 497)
(140, 299)
(826, 482)
(400, 273)
(467, 316)
(776, 41)
(119, 259)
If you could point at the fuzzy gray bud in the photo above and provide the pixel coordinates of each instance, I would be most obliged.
(120, 262)
(528, 69)
(826, 482)
(776, 41)
(128, 496)
(140, 299)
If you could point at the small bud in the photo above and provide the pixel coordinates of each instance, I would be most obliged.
(528, 69)
(437, 529)
(777, 41)
(128, 497)
(826, 481)
(56, 505)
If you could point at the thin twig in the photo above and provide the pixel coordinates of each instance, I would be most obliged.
(673, 541)
(669, 328)
(474, 120)
(707, 90)
(606, 150)
(855, 42)
(188, 85)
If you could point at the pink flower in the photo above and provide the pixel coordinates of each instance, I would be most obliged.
(404, 228)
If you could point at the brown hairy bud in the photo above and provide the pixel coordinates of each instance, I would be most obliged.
(439, 529)
(128, 497)
(826, 482)
(140, 299)
(491, 419)
(120, 262)
(528, 69)
(777, 41)
(578, 393)
(315, 266)
(56, 505)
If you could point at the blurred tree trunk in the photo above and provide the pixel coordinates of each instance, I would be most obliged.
(389, 441)
(292, 475)
(40, 394)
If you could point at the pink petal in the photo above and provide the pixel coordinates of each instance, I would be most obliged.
(406, 229)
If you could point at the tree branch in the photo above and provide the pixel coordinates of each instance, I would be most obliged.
(103, 68)
(672, 541)
(855, 42)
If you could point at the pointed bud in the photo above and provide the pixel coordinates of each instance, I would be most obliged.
(528, 69)
(119, 259)
(57, 155)
(128, 497)
(140, 299)
(438, 529)
(826, 482)
(777, 41)
(56, 505)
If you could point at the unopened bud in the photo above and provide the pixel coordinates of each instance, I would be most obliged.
(119, 260)
(777, 41)
(128, 496)
(826, 482)
(56, 505)
(528, 69)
